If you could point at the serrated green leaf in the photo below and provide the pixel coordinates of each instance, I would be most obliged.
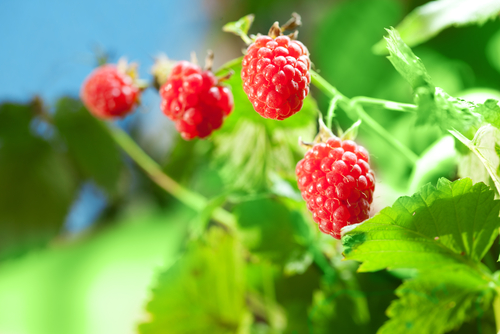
(204, 292)
(405, 61)
(490, 110)
(483, 146)
(452, 224)
(37, 184)
(447, 298)
(89, 144)
(428, 20)
(250, 148)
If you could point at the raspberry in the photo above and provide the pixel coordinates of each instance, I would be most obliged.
(276, 76)
(194, 100)
(337, 184)
(108, 92)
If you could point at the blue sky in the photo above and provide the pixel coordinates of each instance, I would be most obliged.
(47, 46)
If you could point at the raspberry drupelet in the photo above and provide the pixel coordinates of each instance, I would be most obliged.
(109, 92)
(337, 183)
(276, 76)
(194, 100)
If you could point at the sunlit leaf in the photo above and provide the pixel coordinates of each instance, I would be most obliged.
(426, 21)
(452, 224)
(204, 292)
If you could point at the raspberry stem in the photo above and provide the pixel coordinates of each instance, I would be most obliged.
(191, 199)
(354, 110)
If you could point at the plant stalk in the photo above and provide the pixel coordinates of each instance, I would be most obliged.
(191, 199)
(354, 111)
(496, 311)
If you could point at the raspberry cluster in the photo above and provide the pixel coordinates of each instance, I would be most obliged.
(108, 92)
(336, 182)
(194, 100)
(276, 76)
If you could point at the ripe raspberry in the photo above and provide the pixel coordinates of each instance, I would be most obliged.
(276, 76)
(194, 100)
(108, 92)
(337, 183)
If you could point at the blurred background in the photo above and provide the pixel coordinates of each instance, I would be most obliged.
(84, 233)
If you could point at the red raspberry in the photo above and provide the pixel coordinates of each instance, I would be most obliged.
(276, 76)
(337, 183)
(108, 92)
(194, 100)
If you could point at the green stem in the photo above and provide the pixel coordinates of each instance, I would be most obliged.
(496, 311)
(226, 66)
(331, 112)
(191, 199)
(354, 110)
(382, 133)
(390, 105)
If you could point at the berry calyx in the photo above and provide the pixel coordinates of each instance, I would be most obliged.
(194, 99)
(275, 73)
(111, 91)
(337, 184)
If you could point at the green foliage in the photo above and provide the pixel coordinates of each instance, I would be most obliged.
(212, 267)
(453, 224)
(97, 284)
(434, 105)
(94, 152)
(483, 145)
(250, 150)
(37, 183)
(428, 20)
(437, 302)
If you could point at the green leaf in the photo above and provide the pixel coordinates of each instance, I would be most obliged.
(426, 21)
(352, 132)
(435, 106)
(452, 224)
(490, 110)
(240, 27)
(447, 298)
(249, 149)
(405, 61)
(89, 144)
(204, 292)
(483, 146)
(37, 183)
(268, 228)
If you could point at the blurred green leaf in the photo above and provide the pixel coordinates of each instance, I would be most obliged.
(426, 21)
(249, 148)
(453, 224)
(89, 144)
(483, 146)
(437, 302)
(268, 228)
(96, 284)
(490, 111)
(37, 184)
(204, 292)
(439, 160)
(240, 27)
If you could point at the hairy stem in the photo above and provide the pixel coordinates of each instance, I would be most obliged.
(191, 199)
(354, 111)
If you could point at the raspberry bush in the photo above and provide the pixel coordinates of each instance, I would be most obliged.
(281, 204)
